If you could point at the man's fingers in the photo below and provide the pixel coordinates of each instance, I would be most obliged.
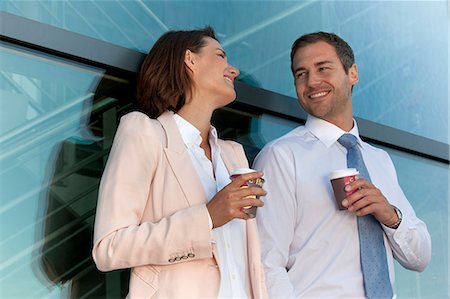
(359, 204)
(366, 210)
(359, 184)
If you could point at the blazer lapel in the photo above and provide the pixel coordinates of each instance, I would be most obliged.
(180, 162)
(181, 165)
(225, 151)
(232, 160)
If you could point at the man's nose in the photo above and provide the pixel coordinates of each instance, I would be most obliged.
(313, 79)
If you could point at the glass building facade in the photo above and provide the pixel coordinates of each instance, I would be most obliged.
(67, 73)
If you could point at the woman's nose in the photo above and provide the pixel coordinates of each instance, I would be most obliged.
(234, 71)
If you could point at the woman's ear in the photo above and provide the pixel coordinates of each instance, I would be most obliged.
(189, 59)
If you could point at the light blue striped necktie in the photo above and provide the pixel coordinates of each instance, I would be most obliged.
(373, 253)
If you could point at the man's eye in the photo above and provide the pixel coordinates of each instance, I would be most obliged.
(301, 74)
(221, 55)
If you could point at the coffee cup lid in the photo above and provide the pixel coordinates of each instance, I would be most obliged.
(336, 174)
(242, 170)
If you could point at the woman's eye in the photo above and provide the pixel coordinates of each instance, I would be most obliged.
(221, 55)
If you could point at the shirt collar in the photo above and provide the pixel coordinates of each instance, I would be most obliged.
(191, 135)
(328, 133)
(213, 136)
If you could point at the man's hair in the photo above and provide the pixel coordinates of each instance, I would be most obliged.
(343, 50)
(163, 80)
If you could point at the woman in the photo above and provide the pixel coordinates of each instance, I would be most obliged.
(159, 211)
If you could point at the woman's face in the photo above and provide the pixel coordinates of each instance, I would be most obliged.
(213, 78)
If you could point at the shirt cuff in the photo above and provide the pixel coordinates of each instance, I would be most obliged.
(209, 220)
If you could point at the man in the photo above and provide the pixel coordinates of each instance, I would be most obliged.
(311, 249)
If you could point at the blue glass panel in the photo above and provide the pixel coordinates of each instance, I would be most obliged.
(401, 47)
(426, 185)
(47, 192)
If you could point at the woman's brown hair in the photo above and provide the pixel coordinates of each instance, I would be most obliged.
(163, 80)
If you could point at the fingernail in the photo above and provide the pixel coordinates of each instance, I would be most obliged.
(345, 203)
(347, 188)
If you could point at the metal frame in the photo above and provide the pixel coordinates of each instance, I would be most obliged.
(63, 43)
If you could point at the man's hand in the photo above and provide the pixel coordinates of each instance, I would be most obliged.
(227, 204)
(369, 200)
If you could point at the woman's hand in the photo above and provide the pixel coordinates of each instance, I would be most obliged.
(227, 204)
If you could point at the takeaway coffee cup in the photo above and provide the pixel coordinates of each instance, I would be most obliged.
(250, 210)
(339, 179)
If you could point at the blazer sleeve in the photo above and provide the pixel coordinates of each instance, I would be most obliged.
(121, 239)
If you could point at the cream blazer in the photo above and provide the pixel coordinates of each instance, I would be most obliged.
(152, 215)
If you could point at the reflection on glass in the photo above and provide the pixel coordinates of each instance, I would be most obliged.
(252, 131)
(401, 47)
(426, 185)
(57, 123)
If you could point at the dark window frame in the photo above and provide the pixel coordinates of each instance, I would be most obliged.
(116, 59)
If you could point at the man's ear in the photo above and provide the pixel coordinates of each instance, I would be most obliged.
(353, 74)
(189, 59)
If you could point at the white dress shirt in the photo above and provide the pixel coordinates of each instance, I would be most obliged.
(310, 249)
(230, 238)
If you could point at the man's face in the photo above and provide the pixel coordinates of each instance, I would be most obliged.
(323, 88)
